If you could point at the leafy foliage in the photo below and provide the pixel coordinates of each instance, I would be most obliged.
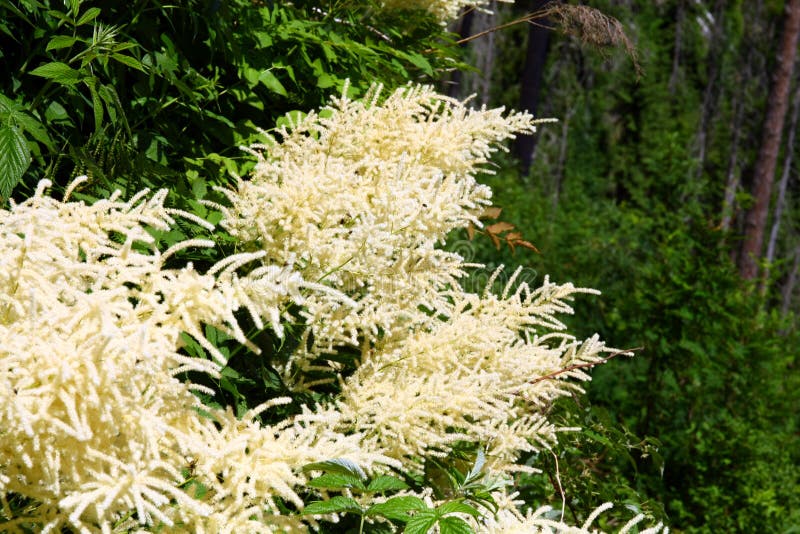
(468, 491)
(626, 196)
(137, 94)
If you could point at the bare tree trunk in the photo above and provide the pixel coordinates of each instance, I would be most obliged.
(732, 183)
(532, 74)
(715, 21)
(780, 202)
(676, 53)
(788, 287)
(562, 158)
(483, 53)
(463, 27)
(763, 175)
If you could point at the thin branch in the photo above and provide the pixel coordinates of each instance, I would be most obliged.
(527, 18)
(560, 487)
(583, 365)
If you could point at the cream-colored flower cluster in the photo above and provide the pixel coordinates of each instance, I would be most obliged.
(340, 219)
(444, 10)
(94, 424)
(475, 377)
(510, 520)
(357, 197)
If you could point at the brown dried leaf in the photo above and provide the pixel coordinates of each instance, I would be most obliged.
(492, 212)
(528, 245)
(499, 227)
(470, 231)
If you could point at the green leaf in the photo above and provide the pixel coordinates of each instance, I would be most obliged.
(335, 505)
(74, 5)
(97, 105)
(475, 472)
(421, 523)
(337, 465)
(14, 158)
(337, 481)
(386, 483)
(397, 508)
(61, 41)
(129, 61)
(325, 80)
(454, 525)
(58, 72)
(18, 114)
(420, 62)
(457, 507)
(88, 16)
(272, 83)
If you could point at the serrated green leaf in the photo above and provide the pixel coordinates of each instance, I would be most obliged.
(337, 481)
(130, 61)
(454, 525)
(337, 465)
(335, 505)
(18, 114)
(14, 158)
(88, 16)
(421, 522)
(459, 507)
(61, 41)
(58, 72)
(397, 508)
(7, 105)
(386, 483)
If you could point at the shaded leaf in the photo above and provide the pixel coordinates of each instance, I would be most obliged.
(97, 105)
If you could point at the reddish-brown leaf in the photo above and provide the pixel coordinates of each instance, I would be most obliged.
(492, 212)
(499, 227)
(528, 245)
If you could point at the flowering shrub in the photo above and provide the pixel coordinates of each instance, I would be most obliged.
(337, 228)
(444, 10)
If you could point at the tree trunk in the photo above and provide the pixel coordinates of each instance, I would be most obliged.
(463, 28)
(532, 73)
(732, 183)
(676, 51)
(791, 281)
(709, 108)
(763, 174)
(780, 202)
